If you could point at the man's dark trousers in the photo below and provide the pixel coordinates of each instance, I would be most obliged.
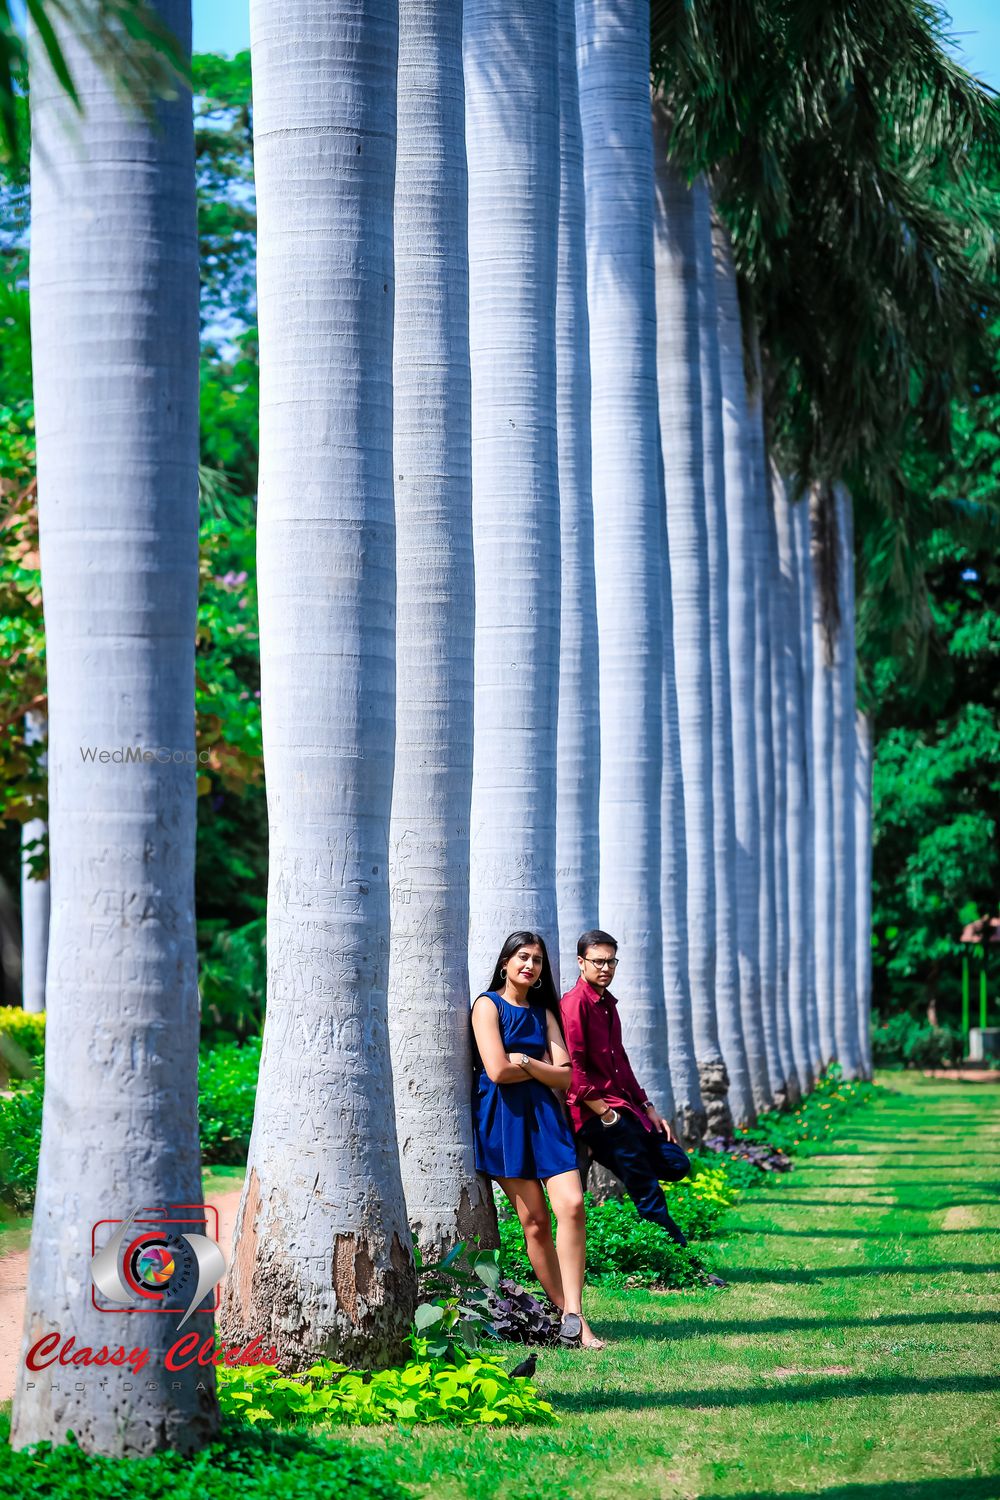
(642, 1159)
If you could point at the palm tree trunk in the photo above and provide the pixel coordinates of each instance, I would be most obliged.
(512, 134)
(114, 313)
(765, 565)
(744, 520)
(321, 1256)
(578, 867)
(795, 823)
(779, 846)
(802, 549)
(824, 568)
(685, 1094)
(613, 57)
(432, 455)
(727, 971)
(845, 994)
(863, 855)
(680, 400)
(34, 894)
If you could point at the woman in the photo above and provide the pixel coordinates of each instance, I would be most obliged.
(522, 1138)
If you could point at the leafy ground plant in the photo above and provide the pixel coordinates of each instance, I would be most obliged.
(476, 1392)
(256, 1465)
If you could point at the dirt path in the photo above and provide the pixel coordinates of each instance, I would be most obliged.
(14, 1280)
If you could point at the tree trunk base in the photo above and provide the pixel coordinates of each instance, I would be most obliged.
(690, 1125)
(602, 1182)
(714, 1080)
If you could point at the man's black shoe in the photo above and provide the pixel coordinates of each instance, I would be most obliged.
(675, 1232)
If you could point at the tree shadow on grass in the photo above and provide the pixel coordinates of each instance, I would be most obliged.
(692, 1328)
(780, 1393)
(923, 1206)
(860, 1234)
(826, 1273)
(986, 1487)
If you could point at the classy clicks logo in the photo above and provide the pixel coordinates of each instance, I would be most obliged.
(157, 1260)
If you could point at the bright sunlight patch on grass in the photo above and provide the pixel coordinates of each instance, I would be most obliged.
(854, 1354)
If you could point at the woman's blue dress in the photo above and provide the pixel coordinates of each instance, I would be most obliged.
(519, 1128)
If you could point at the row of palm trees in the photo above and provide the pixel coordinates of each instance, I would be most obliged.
(547, 641)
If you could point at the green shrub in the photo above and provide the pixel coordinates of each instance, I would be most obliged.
(902, 1040)
(475, 1392)
(255, 1465)
(22, 1041)
(20, 1141)
(622, 1249)
(232, 979)
(227, 1088)
(797, 1132)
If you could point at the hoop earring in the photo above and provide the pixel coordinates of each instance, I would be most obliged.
(537, 984)
(503, 973)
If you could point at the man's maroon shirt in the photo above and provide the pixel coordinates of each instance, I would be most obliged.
(601, 1069)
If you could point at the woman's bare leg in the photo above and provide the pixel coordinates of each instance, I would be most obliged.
(532, 1210)
(566, 1196)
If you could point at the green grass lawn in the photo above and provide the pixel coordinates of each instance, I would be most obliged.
(855, 1353)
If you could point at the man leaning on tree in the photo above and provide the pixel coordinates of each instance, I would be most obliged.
(608, 1108)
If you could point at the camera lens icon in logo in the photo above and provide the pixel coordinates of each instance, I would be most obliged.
(153, 1265)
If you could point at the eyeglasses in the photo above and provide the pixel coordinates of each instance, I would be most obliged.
(602, 963)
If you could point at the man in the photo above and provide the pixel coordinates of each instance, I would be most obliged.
(607, 1106)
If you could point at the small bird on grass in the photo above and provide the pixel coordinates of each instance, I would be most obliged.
(525, 1369)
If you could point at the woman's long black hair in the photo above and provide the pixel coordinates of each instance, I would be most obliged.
(546, 994)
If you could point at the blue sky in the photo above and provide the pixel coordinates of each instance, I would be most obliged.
(223, 26)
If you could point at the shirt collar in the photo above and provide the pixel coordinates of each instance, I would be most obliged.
(595, 995)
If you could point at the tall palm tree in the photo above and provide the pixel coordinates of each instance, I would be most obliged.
(613, 60)
(684, 1101)
(743, 522)
(727, 971)
(680, 400)
(763, 537)
(35, 893)
(803, 568)
(114, 313)
(863, 855)
(779, 623)
(793, 830)
(578, 865)
(763, 585)
(512, 136)
(824, 553)
(321, 1255)
(432, 455)
(845, 999)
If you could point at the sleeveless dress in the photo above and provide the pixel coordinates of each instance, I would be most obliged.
(518, 1128)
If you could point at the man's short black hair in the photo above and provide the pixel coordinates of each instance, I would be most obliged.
(595, 939)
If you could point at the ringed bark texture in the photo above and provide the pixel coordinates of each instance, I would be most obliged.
(743, 524)
(512, 136)
(613, 60)
(114, 324)
(727, 972)
(322, 1261)
(796, 813)
(680, 400)
(578, 845)
(446, 1199)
